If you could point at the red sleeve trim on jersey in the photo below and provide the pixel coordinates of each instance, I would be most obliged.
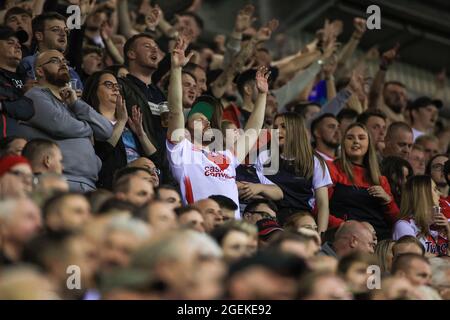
(188, 190)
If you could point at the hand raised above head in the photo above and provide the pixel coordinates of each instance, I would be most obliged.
(179, 58)
(262, 79)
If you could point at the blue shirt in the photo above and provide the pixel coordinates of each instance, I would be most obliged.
(131, 148)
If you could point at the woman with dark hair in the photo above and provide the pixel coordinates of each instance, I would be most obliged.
(359, 190)
(128, 141)
(397, 171)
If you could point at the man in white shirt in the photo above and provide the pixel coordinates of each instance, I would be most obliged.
(424, 114)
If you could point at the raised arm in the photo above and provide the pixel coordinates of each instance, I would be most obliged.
(255, 122)
(350, 47)
(376, 90)
(238, 64)
(244, 20)
(175, 131)
(109, 45)
(125, 26)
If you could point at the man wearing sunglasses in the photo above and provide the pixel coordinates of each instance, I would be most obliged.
(62, 117)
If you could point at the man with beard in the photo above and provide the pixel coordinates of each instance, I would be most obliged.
(13, 105)
(49, 33)
(200, 169)
(424, 114)
(327, 136)
(389, 97)
(62, 117)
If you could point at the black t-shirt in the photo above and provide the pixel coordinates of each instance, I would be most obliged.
(11, 85)
(155, 97)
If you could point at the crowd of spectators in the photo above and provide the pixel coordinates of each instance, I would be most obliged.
(140, 159)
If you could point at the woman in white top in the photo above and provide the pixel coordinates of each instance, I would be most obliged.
(420, 217)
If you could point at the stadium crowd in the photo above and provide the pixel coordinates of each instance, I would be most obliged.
(140, 161)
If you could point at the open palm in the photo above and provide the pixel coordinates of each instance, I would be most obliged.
(262, 76)
(179, 58)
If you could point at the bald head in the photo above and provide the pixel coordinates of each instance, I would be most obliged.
(51, 68)
(353, 236)
(399, 140)
(211, 212)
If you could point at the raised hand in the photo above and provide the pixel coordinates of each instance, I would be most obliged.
(153, 18)
(262, 79)
(179, 58)
(390, 56)
(329, 68)
(356, 82)
(121, 110)
(264, 33)
(87, 6)
(244, 19)
(105, 30)
(360, 26)
(135, 122)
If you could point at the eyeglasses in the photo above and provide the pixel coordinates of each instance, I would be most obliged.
(59, 30)
(155, 171)
(437, 167)
(57, 61)
(111, 85)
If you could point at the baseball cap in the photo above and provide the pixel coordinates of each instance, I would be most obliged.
(423, 102)
(6, 163)
(7, 32)
(202, 107)
(266, 227)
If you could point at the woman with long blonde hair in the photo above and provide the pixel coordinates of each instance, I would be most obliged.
(302, 175)
(359, 190)
(420, 216)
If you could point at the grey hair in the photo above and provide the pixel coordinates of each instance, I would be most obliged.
(131, 225)
(170, 246)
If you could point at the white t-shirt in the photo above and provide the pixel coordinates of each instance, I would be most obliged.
(409, 228)
(321, 178)
(202, 173)
(324, 156)
(417, 133)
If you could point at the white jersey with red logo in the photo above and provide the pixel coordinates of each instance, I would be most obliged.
(436, 243)
(202, 173)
